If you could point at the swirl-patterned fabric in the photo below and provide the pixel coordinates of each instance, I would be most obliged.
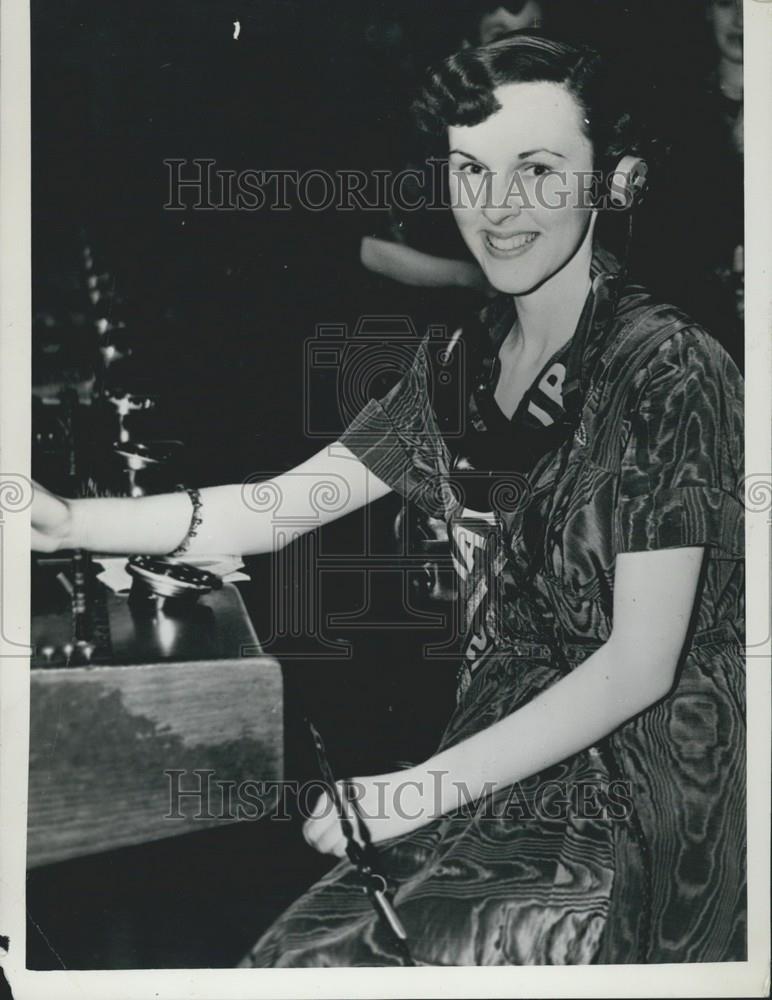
(656, 462)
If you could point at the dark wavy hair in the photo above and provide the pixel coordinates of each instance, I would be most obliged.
(460, 91)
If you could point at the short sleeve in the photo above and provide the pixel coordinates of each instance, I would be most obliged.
(398, 439)
(682, 463)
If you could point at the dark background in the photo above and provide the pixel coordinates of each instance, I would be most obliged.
(222, 304)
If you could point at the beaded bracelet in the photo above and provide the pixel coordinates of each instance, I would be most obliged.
(195, 520)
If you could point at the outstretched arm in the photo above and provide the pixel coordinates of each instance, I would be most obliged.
(237, 519)
(653, 599)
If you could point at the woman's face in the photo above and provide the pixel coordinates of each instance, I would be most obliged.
(501, 21)
(726, 18)
(519, 183)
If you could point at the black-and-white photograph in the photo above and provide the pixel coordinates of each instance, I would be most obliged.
(388, 490)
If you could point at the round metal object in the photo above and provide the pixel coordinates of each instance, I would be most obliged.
(156, 577)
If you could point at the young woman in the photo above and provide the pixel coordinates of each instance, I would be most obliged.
(586, 803)
(395, 258)
(496, 20)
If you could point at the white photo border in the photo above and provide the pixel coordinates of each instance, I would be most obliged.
(747, 979)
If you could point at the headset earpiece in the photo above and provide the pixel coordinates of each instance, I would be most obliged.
(628, 181)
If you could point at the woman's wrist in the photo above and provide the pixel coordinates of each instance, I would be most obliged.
(393, 804)
(454, 780)
(413, 800)
(434, 788)
(422, 793)
(74, 534)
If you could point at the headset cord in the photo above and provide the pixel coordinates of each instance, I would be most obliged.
(362, 855)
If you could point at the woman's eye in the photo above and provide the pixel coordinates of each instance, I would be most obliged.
(476, 169)
(536, 169)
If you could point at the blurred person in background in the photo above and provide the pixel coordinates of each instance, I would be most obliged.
(690, 245)
(497, 20)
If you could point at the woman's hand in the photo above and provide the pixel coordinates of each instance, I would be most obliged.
(51, 521)
(389, 805)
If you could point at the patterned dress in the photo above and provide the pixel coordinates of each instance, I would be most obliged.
(632, 850)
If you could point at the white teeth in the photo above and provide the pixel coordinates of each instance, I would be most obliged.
(512, 243)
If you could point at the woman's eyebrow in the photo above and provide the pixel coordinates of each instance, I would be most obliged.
(543, 149)
(520, 156)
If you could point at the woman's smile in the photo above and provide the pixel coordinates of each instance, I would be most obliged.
(516, 188)
(504, 247)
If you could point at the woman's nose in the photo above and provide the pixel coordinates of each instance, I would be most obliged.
(500, 205)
